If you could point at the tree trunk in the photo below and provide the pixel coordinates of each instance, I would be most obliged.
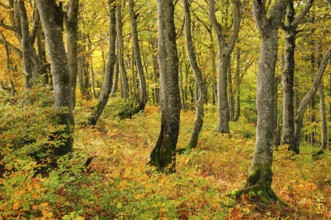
(225, 50)
(26, 44)
(71, 28)
(202, 93)
(141, 76)
(292, 23)
(230, 92)
(324, 142)
(237, 89)
(260, 176)
(107, 80)
(304, 103)
(51, 17)
(123, 75)
(163, 155)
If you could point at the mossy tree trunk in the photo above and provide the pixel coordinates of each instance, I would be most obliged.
(163, 155)
(260, 175)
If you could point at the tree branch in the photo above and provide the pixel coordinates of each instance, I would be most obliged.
(303, 13)
(15, 49)
(236, 22)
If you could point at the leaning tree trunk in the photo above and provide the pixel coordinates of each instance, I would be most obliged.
(163, 155)
(260, 175)
(141, 76)
(71, 27)
(51, 17)
(306, 100)
(225, 50)
(290, 28)
(107, 80)
(202, 96)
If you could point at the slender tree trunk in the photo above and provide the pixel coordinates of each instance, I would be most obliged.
(202, 93)
(163, 155)
(26, 44)
(71, 28)
(107, 80)
(115, 84)
(123, 75)
(51, 17)
(292, 23)
(304, 103)
(141, 75)
(225, 50)
(237, 89)
(230, 93)
(324, 142)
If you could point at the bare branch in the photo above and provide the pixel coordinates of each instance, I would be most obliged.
(303, 13)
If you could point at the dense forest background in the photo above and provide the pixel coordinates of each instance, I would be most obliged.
(165, 109)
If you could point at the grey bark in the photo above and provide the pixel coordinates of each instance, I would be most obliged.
(123, 75)
(306, 100)
(237, 86)
(260, 176)
(202, 93)
(290, 28)
(324, 141)
(163, 155)
(26, 44)
(141, 75)
(107, 80)
(225, 50)
(71, 28)
(51, 14)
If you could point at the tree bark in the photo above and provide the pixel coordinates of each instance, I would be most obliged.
(306, 100)
(225, 50)
(324, 142)
(107, 80)
(51, 14)
(123, 75)
(290, 28)
(163, 155)
(141, 75)
(71, 28)
(260, 175)
(202, 94)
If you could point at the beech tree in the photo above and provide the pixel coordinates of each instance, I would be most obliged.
(202, 95)
(268, 23)
(107, 80)
(225, 50)
(51, 16)
(290, 28)
(163, 155)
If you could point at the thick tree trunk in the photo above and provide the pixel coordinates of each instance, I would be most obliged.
(260, 176)
(71, 28)
(123, 76)
(306, 100)
(225, 50)
(202, 93)
(51, 18)
(141, 75)
(163, 155)
(107, 80)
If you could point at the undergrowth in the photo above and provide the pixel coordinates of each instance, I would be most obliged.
(119, 185)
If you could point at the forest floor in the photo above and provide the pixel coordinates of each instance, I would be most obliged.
(204, 176)
(119, 185)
